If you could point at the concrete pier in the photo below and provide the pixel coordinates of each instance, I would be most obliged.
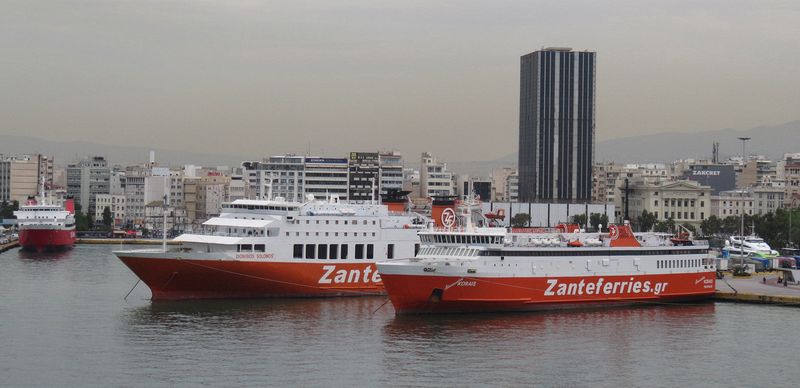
(7, 246)
(753, 289)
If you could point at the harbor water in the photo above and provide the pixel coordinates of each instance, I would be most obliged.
(64, 322)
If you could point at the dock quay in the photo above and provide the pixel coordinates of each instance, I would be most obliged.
(123, 241)
(9, 245)
(755, 289)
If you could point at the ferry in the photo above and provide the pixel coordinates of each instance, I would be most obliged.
(463, 268)
(749, 246)
(46, 226)
(276, 248)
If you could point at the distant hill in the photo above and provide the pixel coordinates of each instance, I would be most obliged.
(67, 152)
(770, 141)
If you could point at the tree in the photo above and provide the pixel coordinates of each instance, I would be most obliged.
(520, 220)
(7, 209)
(579, 219)
(689, 227)
(664, 226)
(81, 221)
(646, 221)
(108, 219)
(710, 226)
(597, 219)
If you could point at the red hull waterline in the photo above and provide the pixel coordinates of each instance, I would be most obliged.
(41, 240)
(412, 294)
(175, 279)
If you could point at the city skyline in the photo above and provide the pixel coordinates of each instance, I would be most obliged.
(359, 76)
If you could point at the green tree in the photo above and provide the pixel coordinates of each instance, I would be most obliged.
(108, 219)
(597, 219)
(664, 226)
(579, 219)
(711, 226)
(81, 221)
(7, 209)
(646, 221)
(520, 220)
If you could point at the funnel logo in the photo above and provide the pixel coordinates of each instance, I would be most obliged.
(614, 231)
(448, 218)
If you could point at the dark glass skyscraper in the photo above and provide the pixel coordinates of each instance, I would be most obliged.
(556, 125)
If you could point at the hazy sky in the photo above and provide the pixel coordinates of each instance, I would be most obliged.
(257, 78)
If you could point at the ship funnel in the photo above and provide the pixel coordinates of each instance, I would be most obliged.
(69, 205)
(443, 211)
(396, 200)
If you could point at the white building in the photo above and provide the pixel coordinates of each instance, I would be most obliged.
(323, 177)
(511, 192)
(391, 175)
(435, 180)
(682, 201)
(116, 205)
(732, 203)
(86, 179)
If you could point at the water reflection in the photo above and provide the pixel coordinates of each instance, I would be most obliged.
(33, 256)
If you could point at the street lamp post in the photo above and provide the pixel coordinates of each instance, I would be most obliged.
(741, 200)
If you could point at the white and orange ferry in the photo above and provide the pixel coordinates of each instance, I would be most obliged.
(275, 248)
(474, 269)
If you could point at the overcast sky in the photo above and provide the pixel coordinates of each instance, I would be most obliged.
(257, 78)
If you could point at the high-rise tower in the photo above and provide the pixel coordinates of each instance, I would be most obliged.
(556, 125)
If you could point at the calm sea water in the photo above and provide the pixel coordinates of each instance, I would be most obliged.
(63, 322)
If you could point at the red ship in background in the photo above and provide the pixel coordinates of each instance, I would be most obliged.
(46, 226)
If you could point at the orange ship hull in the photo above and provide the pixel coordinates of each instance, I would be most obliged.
(172, 278)
(437, 294)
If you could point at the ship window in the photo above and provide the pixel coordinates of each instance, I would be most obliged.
(390, 251)
(344, 252)
(373, 222)
(317, 222)
(307, 222)
(327, 222)
(345, 222)
(309, 251)
(359, 251)
(337, 222)
(365, 222)
(298, 251)
(370, 251)
(322, 251)
(333, 251)
(416, 249)
(247, 247)
(259, 248)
